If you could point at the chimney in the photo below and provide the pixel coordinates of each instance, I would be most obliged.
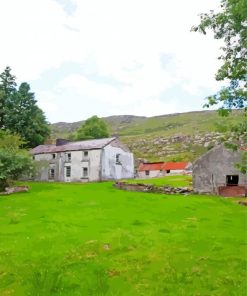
(60, 142)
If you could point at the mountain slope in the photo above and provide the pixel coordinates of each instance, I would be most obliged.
(181, 136)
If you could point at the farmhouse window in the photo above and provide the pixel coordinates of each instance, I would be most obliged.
(118, 159)
(147, 173)
(232, 180)
(168, 171)
(51, 174)
(53, 156)
(85, 172)
(68, 171)
(68, 157)
(85, 154)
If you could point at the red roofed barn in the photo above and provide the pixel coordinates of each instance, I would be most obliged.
(159, 169)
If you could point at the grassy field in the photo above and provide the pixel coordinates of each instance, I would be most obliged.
(174, 181)
(92, 239)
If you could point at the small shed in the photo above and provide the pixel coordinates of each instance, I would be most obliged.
(159, 169)
(178, 168)
(215, 173)
(151, 170)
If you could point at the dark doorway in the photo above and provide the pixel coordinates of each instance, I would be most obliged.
(232, 180)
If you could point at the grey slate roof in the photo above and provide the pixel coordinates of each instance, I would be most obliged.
(73, 146)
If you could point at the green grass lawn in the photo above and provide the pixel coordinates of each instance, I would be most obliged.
(92, 239)
(174, 181)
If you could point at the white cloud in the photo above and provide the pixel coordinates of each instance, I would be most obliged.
(123, 40)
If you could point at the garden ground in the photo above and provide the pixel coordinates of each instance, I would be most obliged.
(174, 181)
(93, 239)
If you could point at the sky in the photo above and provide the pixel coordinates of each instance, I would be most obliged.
(110, 57)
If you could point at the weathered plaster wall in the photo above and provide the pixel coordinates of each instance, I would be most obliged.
(152, 174)
(176, 172)
(101, 164)
(77, 162)
(158, 173)
(42, 166)
(115, 171)
(210, 170)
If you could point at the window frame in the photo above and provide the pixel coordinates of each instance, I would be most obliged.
(68, 157)
(118, 158)
(51, 175)
(85, 169)
(68, 171)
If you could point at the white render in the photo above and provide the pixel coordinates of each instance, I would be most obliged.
(152, 174)
(112, 161)
(111, 169)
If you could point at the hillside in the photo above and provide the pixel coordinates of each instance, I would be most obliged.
(181, 136)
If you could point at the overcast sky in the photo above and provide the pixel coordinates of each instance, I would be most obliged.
(110, 57)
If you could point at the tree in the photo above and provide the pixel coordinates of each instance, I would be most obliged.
(93, 128)
(20, 113)
(7, 87)
(230, 25)
(25, 117)
(14, 162)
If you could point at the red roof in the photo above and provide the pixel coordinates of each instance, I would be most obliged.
(163, 166)
(176, 165)
(155, 166)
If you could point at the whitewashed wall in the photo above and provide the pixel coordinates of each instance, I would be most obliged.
(176, 172)
(78, 161)
(112, 170)
(152, 174)
(101, 164)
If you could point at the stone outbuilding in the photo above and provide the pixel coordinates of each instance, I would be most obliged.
(83, 161)
(160, 169)
(215, 173)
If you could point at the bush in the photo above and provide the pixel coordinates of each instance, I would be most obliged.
(14, 161)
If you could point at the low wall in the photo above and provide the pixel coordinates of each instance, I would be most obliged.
(152, 188)
(236, 191)
(10, 190)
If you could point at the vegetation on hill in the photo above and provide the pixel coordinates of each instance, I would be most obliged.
(92, 239)
(182, 136)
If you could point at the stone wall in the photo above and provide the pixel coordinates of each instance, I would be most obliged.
(152, 188)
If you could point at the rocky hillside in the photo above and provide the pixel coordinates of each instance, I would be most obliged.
(183, 136)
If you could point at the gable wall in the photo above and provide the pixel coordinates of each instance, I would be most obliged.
(113, 171)
(210, 171)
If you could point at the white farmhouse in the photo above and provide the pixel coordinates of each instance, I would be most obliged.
(83, 161)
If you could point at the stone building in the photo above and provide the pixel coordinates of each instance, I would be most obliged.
(83, 161)
(159, 169)
(215, 172)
